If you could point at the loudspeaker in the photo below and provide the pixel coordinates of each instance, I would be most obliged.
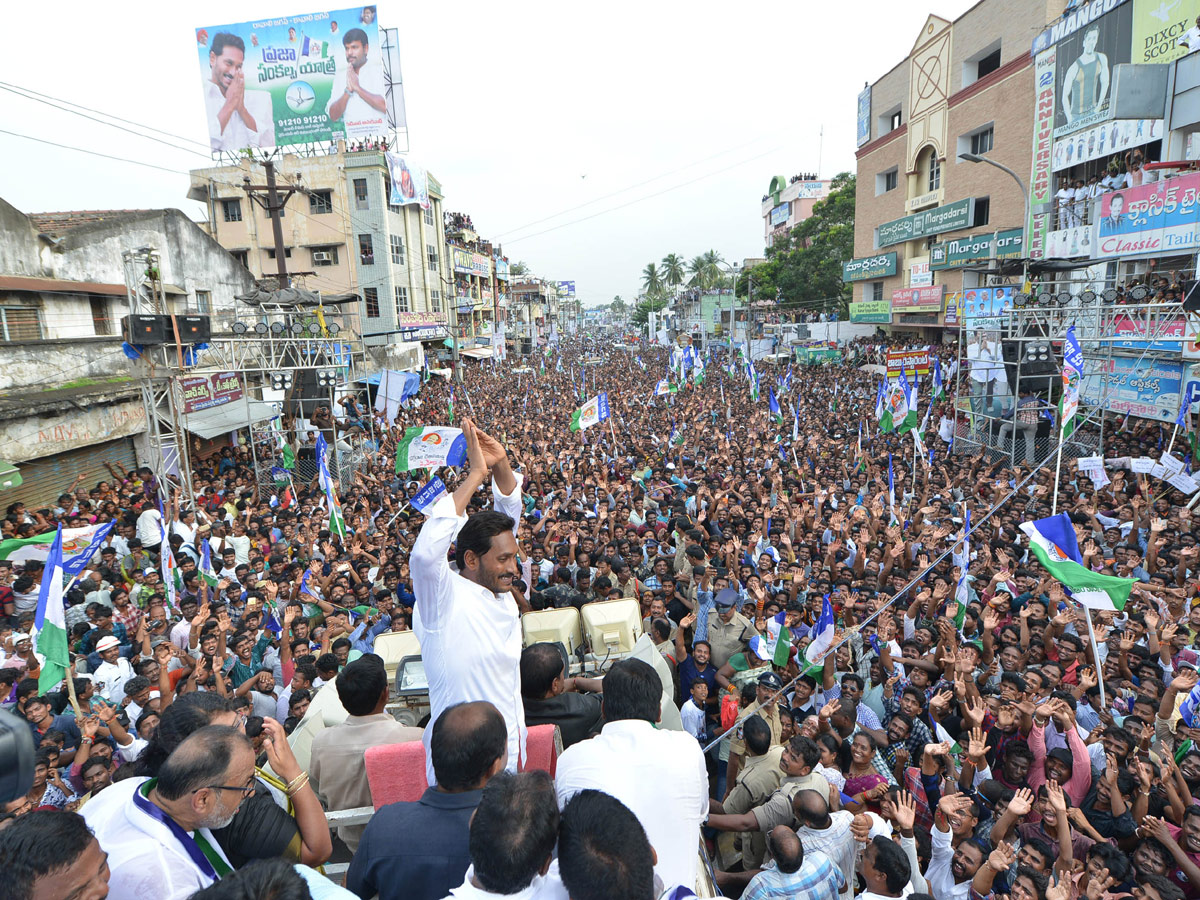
(1037, 363)
(194, 329)
(143, 330)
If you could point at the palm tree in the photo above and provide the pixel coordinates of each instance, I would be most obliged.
(712, 267)
(652, 281)
(672, 270)
(696, 274)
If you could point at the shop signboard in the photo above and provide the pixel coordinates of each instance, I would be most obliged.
(877, 312)
(1041, 189)
(206, 391)
(948, 217)
(867, 268)
(920, 299)
(1158, 218)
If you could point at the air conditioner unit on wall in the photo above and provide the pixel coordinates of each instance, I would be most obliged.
(321, 256)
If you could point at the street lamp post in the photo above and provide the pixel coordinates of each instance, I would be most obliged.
(976, 158)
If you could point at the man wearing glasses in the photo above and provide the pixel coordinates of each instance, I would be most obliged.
(161, 845)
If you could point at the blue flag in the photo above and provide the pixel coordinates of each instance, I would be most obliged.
(428, 495)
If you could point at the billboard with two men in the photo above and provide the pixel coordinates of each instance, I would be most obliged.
(297, 79)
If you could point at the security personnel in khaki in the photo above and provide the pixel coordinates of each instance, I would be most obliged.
(767, 707)
(758, 778)
(729, 632)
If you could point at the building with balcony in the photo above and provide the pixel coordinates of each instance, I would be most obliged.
(789, 201)
(342, 235)
(924, 216)
(533, 313)
(480, 293)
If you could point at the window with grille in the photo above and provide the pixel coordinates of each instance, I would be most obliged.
(203, 303)
(401, 299)
(371, 296)
(432, 255)
(232, 210)
(100, 320)
(287, 253)
(876, 290)
(435, 300)
(982, 142)
(320, 202)
(360, 194)
(366, 250)
(397, 249)
(935, 171)
(20, 323)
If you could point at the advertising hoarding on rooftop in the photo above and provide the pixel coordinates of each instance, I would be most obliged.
(309, 78)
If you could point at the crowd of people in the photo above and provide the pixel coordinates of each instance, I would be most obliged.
(954, 742)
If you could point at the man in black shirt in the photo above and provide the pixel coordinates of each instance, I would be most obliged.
(550, 697)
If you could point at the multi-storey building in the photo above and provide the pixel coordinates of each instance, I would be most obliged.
(789, 201)
(924, 215)
(342, 235)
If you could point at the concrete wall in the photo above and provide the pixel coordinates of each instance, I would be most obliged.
(44, 365)
(838, 331)
(20, 249)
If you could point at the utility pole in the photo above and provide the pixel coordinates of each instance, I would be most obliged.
(273, 205)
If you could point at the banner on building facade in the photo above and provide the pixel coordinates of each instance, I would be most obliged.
(1084, 72)
(1159, 26)
(864, 116)
(985, 309)
(1163, 217)
(1104, 140)
(1146, 388)
(309, 78)
(410, 182)
(779, 215)
(907, 361)
(1041, 188)
(877, 312)
(869, 267)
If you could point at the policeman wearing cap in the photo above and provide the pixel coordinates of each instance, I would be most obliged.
(729, 632)
(766, 706)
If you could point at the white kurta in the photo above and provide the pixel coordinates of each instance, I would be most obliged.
(146, 859)
(237, 135)
(659, 775)
(470, 638)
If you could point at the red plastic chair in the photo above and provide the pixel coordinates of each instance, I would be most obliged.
(396, 772)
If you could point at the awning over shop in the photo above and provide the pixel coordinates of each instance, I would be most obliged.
(477, 352)
(219, 420)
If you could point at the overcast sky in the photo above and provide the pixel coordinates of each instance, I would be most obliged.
(677, 114)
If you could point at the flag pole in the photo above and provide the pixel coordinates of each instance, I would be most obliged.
(1095, 656)
(1057, 474)
(1174, 431)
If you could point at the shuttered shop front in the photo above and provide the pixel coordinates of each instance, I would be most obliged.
(44, 479)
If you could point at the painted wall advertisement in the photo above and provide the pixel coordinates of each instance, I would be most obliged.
(868, 267)
(300, 79)
(1163, 217)
(410, 183)
(864, 116)
(878, 312)
(908, 360)
(206, 391)
(919, 299)
(1041, 191)
(1148, 389)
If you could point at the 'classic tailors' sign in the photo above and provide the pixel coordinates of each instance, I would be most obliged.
(868, 267)
(950, 217)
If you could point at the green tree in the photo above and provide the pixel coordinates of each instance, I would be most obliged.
(672, 270)
(697, 273)
(647, 305)
(804, 267)
(652, 280)
(518, 268)
(617, 307)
